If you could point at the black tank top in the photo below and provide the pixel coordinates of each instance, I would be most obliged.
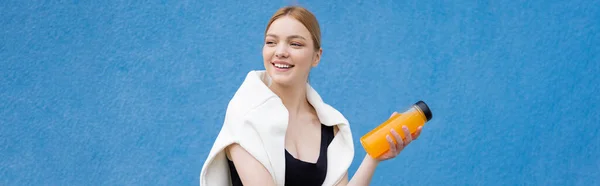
(298, 172)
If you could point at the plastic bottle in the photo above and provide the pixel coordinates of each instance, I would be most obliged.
(375, 142)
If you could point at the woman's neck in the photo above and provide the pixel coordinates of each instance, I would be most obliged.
(293, 98)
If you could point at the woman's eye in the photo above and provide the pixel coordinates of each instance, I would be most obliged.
(296, 44)
(269, 42)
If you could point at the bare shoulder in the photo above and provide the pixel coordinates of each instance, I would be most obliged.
(249, 169)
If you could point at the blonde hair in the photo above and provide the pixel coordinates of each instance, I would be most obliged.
(305, 17)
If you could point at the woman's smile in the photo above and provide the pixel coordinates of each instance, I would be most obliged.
(282, 66)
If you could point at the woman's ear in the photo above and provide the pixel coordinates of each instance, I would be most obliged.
(317, 57)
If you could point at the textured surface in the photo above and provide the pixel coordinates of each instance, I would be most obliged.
(126, 93)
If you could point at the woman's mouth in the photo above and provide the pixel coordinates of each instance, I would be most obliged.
(282, 66)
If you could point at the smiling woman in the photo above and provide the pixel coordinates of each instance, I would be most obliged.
(278, 130)
(292, 40)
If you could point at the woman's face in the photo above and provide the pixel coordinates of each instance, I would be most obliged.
(289, 52)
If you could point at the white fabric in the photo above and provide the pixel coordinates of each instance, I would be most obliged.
(257, 120)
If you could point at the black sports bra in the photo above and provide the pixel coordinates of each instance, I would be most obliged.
(299, 172)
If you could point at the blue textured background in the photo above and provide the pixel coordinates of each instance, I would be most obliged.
(134, 93)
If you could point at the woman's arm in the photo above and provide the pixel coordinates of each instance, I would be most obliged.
(364, 173)
(367, 168)
(250, 170)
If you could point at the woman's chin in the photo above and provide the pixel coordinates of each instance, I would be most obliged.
(281, 80)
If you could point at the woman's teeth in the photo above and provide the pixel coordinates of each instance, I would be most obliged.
(283, 65)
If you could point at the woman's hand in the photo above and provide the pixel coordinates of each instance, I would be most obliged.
(366, 169)
(396, 148)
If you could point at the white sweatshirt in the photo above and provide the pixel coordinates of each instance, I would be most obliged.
(257, 120)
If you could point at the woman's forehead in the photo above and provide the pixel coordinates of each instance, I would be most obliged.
(286, 27)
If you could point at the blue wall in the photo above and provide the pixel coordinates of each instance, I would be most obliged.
(132, 93)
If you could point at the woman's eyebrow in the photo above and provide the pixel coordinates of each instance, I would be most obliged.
(296, 36)
(289, 37)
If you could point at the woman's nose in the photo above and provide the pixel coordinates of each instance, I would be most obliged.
(281, 51)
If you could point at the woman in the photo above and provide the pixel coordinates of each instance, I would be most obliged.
(278, 130)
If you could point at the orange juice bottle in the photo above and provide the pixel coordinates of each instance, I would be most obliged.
(375, 142)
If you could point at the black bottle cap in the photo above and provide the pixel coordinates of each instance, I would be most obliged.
(425, 109)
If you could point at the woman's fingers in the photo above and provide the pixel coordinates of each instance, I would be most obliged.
(393, 148)
(393, 114)
(417, 133)
(400, 143)
(407, 135)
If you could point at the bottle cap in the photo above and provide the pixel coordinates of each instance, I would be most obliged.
(425, 109)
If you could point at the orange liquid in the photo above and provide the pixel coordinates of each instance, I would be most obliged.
(375, 142)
